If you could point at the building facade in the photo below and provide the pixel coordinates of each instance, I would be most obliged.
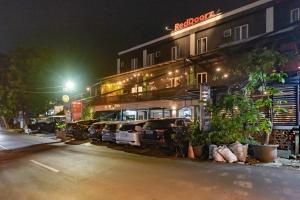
(161, 78)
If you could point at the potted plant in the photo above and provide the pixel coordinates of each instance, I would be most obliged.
(263, 76)
(60, 130)
(195, 138)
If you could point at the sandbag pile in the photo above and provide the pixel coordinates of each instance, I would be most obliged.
(235, 152)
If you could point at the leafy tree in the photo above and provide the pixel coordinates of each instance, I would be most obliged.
(24, 74)
(251, 109)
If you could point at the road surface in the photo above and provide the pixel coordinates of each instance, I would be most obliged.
(63, 171)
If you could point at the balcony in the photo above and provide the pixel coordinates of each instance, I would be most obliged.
(167, 93)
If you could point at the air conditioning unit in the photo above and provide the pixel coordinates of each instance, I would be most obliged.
(227, 33)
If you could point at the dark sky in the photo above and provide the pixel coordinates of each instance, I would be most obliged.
(89, 33)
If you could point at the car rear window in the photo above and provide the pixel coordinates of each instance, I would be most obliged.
(158, 124)
(111, 127)
(127, 127)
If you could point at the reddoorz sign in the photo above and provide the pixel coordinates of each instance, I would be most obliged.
(192, 21)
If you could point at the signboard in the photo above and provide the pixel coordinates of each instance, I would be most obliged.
(76, 110)
(196, 20)
(65, 98)
(204, 113)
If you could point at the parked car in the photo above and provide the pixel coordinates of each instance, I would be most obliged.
(159, 131)
(95, 131)
(109, 131)
(69, 128)
(128, 133)
(45, 124)
(80, 129)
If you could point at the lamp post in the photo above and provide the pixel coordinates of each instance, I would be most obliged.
(88, 89)
(69, 86)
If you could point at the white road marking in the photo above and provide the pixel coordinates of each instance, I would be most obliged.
(45, 166)
(3, 147)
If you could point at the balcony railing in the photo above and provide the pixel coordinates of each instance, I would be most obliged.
(168, 93)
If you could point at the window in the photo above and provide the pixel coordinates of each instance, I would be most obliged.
(202, 45)
(136, 89)
(180, 123)
(202, 77)
(150, 59)
(134, 63)
(295, 15)
(122, 65)
(175, 53)
(241, 32)
(227, 33)
(157, 54)
(175, 82)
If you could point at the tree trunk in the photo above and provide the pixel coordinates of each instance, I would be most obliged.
(267, 139)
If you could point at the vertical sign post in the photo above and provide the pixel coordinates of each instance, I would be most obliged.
(204, 114)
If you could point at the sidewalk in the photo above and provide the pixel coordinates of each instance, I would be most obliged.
(11, 140)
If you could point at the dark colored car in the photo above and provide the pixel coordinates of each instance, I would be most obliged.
(159, 131)
(95, 131)
(80, 129)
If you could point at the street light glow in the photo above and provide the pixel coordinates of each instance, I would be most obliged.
(69, 86)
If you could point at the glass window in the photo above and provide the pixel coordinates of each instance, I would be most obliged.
(241, 32)
(202, 77)
(134, 63)
(150, 59)
(295, 15)
(202, 45)
(175, 53)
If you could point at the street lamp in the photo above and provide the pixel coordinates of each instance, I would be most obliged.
(69, 86)
(88, 89)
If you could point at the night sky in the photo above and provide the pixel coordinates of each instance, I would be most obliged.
(89, 33)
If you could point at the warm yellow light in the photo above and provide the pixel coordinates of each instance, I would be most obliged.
(176, 71)
(218, 69)
(88, 89)
(226, 75)
(170, 73)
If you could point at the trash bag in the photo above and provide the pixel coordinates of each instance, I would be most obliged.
(211, 149)
(217, 156)
(227, 154)
(241, 151)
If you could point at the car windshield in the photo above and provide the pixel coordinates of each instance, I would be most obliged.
(98, 126)
(158, 124)
(127, 127)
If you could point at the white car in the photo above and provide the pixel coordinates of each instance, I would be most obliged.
(109, 131)
(129, 133)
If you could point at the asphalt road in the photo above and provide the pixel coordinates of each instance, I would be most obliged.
(85, 171)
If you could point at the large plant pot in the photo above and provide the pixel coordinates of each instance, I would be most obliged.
(198, 150)
(265, 153)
